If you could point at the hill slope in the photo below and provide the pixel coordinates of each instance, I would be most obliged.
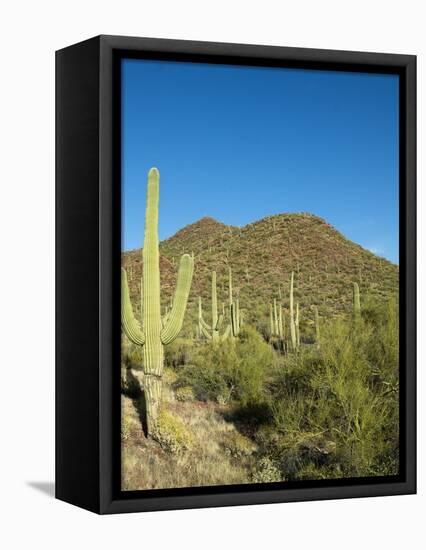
(262, 255)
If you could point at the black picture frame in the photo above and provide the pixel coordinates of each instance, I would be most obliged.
(87, 278)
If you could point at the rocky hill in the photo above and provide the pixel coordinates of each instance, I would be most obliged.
(262, 255)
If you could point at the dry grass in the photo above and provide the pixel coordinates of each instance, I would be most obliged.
(218, 455)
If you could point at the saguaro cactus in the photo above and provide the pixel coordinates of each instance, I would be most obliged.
(281, 323)
(356, 300)
(277, 323)
(212, 332)
(234, 309)
(292, 321)
(154, 332)
(297, 326)
(317, 327)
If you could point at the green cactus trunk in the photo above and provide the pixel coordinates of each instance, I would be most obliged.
(296, 323)
(215, 332)
(276, 329)
(156, 332)
(356, 301)
(317, 327)
(280, 323)
(234, 309)
(292, 322)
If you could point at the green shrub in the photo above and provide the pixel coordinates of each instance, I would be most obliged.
(335, 410)
(125, 428)
(255, 363)
(185, 393)
(233, 370)
(172, 434)
(178, 353)
(267, 472)
(237, 445)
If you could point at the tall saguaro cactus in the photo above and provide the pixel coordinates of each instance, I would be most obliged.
(277, 322)
(317, 327)
(356, 301)
(292, 321)
(296, 323)
(155, 332)
(234, 309)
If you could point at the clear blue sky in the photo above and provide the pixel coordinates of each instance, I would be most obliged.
(241, 143)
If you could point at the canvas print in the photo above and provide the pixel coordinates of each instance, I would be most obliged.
(259, 275)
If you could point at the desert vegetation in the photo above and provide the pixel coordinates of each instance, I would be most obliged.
(278, 363)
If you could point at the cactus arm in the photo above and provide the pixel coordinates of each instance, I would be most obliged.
(165, 318)
(130, 324)
(174, 323)
(219, 322)
(204, 324)
(226, 333)
(206, 332)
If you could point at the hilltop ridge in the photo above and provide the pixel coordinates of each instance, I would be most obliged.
(262, 255)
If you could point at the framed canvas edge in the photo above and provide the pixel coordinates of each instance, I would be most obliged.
(405, 65)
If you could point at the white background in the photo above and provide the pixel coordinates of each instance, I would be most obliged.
(30, 32)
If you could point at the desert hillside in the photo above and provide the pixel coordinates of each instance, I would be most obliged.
(262, 255)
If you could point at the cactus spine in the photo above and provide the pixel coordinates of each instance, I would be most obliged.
(292, 322)
(154, 332)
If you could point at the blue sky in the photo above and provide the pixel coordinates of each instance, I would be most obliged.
(241, 143)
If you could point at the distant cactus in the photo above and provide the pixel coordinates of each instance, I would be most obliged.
(317, 327)
(356, 301)
(280, 323)
(212, 331)
(276, 329)
(234, 309)
(297, 326)
(292, 321)
(277, 323)
(154, 332)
